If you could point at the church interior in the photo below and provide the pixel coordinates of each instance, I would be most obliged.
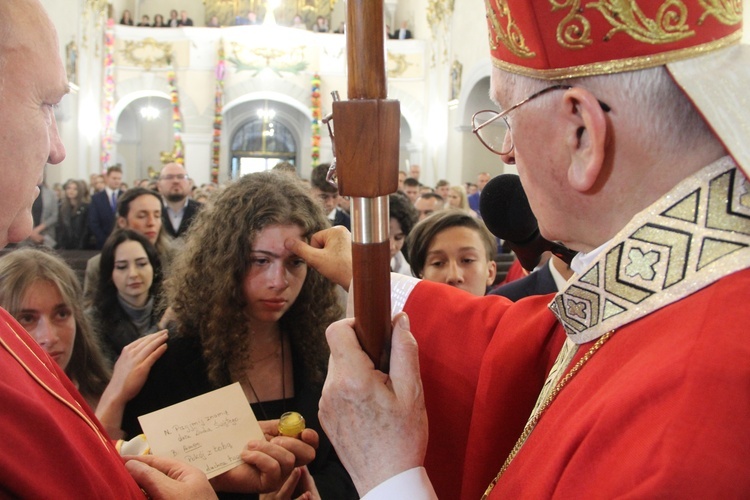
(241, 97)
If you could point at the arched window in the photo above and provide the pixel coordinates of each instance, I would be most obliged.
(260, 143)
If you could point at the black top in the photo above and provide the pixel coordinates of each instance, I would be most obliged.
(191, 210)
(540, 282)
(180, 374)
(73, 229)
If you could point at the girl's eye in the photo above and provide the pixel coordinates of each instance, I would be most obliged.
(64, 313)
(25, 319)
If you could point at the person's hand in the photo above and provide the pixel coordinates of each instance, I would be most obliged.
(376, 422)
(36, 236)
(166, 478)
(329, 252)
(268, 463)
(130, 373)
(134, 364)
(299, 486)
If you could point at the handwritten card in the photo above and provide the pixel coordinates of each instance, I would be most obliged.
(208, 431)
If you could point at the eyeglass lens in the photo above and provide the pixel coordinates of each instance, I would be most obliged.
(493, 134)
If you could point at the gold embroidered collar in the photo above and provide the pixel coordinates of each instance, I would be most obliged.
(696, 234)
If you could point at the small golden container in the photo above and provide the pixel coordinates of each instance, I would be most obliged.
(291, 424)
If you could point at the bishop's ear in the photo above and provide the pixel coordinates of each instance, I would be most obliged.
(587, 139)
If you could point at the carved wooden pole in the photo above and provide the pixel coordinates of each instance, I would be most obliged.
(366, 149)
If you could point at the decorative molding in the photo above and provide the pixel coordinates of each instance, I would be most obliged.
(259, 58)
(147, 53)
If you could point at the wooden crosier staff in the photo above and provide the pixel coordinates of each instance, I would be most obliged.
(366, 149)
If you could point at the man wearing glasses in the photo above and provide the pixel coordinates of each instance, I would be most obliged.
(628, 124)
(179, 210)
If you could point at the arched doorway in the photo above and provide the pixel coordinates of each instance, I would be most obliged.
(262, 140)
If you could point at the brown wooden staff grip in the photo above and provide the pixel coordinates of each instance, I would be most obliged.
(366, 130)
(372, 299)
(365, 49)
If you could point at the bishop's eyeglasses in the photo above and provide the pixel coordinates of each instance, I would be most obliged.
(490, 126)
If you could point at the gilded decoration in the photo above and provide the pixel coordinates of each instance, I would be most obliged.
(728, 12)
(574, 31)
(230, 11)
(696, 235)
(397, 65)
(439, 14)
(669, 25)
(277, 60)
(147, 53)
(510, 35)
(456, 71)
(439, 11)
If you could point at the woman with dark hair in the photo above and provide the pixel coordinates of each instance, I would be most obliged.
(72, 226)
(159, 21)
(138, 209)
(247, 310)
(403, 216)
(126, 303)
(455, 248)
(43, 293)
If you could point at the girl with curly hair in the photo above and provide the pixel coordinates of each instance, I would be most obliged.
(43, 293)
(247, 310)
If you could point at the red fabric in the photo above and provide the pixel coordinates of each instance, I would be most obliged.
(49, 451)
(661, 410)
(515, 272)
(541, 37)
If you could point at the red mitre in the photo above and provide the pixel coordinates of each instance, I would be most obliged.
(556, 39)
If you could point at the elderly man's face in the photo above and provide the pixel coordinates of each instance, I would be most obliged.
(33, 82)
(540, 156)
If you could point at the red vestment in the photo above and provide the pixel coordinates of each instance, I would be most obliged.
(52, 445)
(661, 409)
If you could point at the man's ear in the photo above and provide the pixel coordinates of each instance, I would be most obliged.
(122, 222)
(587, 140)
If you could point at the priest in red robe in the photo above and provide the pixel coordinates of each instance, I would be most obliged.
(627, 124)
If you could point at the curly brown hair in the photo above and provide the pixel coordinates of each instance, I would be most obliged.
(205, 288)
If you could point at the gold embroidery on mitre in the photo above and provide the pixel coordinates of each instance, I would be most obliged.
(511, 36)
(669, 25)
(574, 31)
(727, 12)
(695, 235)
(620, 65)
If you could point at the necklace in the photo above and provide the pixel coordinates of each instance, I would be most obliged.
(283, 380)
(547, 402)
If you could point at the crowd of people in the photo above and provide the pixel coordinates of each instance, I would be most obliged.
(629, 381)
(181, 19)
(175, 20)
